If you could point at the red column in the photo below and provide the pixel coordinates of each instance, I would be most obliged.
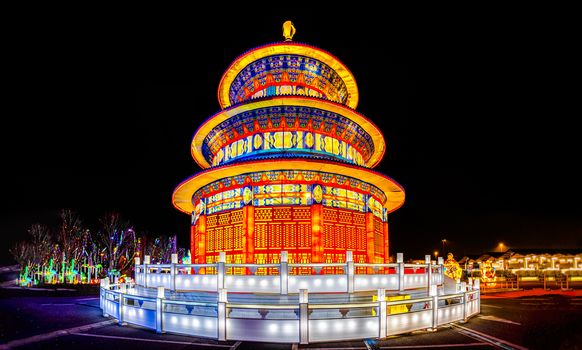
(386, 244)
(248, 232)
(193, 244)
(370, 237)
(316, 233)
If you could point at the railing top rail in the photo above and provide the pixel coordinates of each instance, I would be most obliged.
(137, 297)
(117, 285)
(294, 265)
(408, 301)
(450, 296)
(416, 265)
(341, 306)
(375, 265)
(195, 265)
(262, 306)
(187, 302)
(252, 265)
(318, 265)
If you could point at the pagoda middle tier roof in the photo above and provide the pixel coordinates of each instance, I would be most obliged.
(372, 140)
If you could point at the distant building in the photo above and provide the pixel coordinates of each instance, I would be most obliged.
(527, 259)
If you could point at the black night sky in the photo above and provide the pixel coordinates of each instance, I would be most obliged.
(477, 112)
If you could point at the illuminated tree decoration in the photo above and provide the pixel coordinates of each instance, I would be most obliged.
(288, 165)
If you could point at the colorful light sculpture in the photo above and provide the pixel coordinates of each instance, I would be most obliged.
(452, 268)
(488, 273)
(288, 165)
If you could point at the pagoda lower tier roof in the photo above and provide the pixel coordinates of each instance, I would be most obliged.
(182, 196)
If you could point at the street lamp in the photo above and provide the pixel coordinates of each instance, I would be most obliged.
(501, 246)
(443, 241)
(436, 253)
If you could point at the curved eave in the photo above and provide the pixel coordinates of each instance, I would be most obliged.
(182, 196)
(362, 121)
(292, 49)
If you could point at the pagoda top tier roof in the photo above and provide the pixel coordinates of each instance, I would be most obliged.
(287, 68)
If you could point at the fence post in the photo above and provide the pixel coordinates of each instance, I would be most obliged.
(103, 295)
(350, 270)
(222, 300)
(173, 271)
(382, 314)
(146, 261)
(400, 261)
(477, 285)
(159, 310)
(465, 306)
(284, 273)
(435, 307)
(303, 316)
(441, 263)
(428, 274)
(122, 290)
(220, 270)
(136, 269)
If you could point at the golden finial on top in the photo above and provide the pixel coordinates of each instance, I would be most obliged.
(288, 30)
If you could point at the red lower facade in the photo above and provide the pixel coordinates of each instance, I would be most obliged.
(310, 234)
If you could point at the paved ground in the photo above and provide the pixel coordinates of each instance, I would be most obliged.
(534, 320)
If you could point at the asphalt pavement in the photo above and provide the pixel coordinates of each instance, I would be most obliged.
(71, 322)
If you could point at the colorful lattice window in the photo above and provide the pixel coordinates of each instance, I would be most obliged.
(328, 235)
(290, 235)
(304, 235)
(361, 234)
(340, 236)
(263, 214)
(237, 232)
(275, 236)
(228, 238)
(261, 235)
(302, 213)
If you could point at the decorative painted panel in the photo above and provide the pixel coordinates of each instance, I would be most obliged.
(287, 131)
(287, 75)
(289, 188)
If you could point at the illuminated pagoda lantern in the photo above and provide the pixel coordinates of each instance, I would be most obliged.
(288, 165)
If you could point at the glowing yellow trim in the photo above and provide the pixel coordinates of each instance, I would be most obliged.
(363, 122)
(182, 196)
(287, 48)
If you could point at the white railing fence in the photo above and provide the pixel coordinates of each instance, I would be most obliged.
(301, 322)
(285, 278)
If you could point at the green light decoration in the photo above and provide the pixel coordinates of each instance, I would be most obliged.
(186, 259)
(63, 265)
(25, 280)
(51, 272)
(71, 272)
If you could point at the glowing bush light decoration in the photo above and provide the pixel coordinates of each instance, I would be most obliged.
(288, 166)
